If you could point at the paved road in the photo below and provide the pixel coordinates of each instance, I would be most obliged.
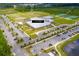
(16, 48)
(21, 34)
(37, 48)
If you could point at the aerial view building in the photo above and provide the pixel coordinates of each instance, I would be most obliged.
(39, 22)
(39, 29)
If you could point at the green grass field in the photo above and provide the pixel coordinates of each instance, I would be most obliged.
(61, 46)
(60, 21)
(63, 21)
(0, 17)
(59, 10)
(4, 47)
(25, 15)
(8, 11)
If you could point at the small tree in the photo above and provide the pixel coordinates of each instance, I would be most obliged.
(36, 54)
(50, 44)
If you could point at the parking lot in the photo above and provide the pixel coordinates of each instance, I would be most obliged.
(36, 49)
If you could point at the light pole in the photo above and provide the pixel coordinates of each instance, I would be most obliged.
(31, 7)
(69, 11)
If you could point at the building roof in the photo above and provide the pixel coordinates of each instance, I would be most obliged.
(47, 21)
(36, 18)
(47, 17)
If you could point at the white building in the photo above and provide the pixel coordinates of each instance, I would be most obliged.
(41, 21)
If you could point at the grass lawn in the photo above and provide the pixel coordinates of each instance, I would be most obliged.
(25, 15)
(61, 46)
(63, 21)
(8, 11)
(60, 10)
(0, 17)
(31, 32)
(4, 47)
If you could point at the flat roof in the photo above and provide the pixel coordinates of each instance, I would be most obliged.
(37, 25)
(36, 18)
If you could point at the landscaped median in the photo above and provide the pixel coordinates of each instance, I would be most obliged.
(60, 47)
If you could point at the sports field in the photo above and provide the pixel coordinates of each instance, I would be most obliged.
(60, 10)
(62, 20)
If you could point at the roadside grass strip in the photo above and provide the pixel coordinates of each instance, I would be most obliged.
(4, 47)
(60, 46)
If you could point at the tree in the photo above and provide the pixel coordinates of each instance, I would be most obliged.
(20, 40)
(36, 54)
(50, 44)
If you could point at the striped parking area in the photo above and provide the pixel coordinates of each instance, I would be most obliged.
(43, 45)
